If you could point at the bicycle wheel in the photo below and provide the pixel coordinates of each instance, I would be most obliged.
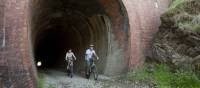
(87, 73)
(95, 73)
(71, 71)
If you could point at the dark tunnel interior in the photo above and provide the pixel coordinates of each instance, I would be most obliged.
(59, 25)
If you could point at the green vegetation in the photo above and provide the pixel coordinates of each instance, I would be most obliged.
(176, 3)
(51, 86)
(41, 80)
(162, 77)
(193, 27)
(186, 80)
(185, 14)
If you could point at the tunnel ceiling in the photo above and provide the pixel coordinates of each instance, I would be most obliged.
(71, 14)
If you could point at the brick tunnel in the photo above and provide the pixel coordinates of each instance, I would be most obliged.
(32, 30)
(65, 24)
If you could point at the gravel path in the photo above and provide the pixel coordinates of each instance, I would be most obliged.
(61, 80)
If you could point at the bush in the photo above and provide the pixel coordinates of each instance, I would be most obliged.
(184, 12)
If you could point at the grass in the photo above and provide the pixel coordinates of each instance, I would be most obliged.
(51, 86)
(41, 80)
(186, 80)
(162, 77)
(176, 3)
(140, 75)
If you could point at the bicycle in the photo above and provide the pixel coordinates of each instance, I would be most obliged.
(92, 69)
(70, 68)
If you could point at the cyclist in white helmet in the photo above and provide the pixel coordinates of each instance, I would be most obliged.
(89, 55)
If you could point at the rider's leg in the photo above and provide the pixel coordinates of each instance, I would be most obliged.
(68, 64)
(72, 69)
(91, 62)
(88, 66)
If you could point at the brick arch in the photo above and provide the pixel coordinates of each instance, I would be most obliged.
(132, 32)
(104, 23)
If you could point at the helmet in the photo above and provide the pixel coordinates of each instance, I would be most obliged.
(91, 45)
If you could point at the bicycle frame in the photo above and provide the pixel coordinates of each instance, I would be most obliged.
(91, 69)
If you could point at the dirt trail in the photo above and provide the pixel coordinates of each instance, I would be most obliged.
(61, 80)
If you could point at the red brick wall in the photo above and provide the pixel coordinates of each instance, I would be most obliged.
(143, 18)
(16, 64)
(17, 70)
(117, 60)
(144, 21)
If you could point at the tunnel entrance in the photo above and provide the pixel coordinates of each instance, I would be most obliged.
(60, 25)
(53, 42)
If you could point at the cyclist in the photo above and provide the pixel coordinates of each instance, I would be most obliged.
(69, 58)
(90, 53)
